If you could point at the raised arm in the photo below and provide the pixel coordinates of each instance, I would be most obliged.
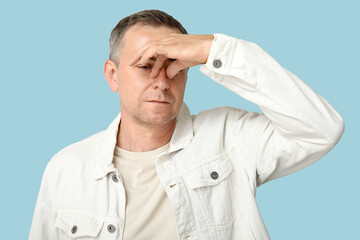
(296, 127)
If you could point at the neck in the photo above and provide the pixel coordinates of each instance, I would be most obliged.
(143, 137)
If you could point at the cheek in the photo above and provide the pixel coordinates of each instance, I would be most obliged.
(179, 86)
(124, 86)
(132, 85)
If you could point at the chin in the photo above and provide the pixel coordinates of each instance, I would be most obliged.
(159, 120)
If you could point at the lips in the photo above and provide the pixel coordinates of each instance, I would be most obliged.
(158, 101)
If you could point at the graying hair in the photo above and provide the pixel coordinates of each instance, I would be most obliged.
(151, 17)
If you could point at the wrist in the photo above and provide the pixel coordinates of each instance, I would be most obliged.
(207, 47)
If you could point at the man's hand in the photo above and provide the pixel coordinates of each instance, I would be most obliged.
(186, 50)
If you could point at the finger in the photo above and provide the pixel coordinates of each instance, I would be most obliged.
(137, 56)
(174, 68)
(151, 53)
(159, 63)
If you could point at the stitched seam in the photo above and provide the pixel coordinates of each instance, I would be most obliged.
(299, 114)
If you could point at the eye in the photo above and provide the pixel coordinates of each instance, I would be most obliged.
(145, 67)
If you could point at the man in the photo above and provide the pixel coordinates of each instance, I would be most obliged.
(158, 172)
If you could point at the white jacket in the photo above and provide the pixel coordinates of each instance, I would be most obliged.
(215, 161)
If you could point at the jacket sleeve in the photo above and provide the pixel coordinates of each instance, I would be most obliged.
(43, 223)
(296, 127)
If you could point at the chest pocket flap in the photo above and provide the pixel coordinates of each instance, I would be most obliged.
(210, 173)
(76, 224)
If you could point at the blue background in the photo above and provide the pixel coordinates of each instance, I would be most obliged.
(53, 93)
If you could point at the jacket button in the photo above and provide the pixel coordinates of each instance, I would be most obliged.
(217, 63)
(214, 175)
(114, 178)
(74, 229)
(111, 228)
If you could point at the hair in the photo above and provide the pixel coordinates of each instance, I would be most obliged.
(151, 17)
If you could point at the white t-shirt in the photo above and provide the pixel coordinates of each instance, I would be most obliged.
(148, 213)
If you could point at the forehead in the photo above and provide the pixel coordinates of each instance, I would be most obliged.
(136, 36)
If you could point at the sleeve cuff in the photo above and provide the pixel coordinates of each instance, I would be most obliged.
(220, 57)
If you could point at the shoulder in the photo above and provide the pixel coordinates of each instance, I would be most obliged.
(218, 121)
(217, 115)
(70, 169)
(81, 147)
(78, 154)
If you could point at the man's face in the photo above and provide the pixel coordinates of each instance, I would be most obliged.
(144, 99)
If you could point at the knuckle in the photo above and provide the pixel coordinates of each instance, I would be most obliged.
(155, 45)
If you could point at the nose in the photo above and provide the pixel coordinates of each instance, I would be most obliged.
(161, 81)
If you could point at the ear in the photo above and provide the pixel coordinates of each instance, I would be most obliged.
(110, 70)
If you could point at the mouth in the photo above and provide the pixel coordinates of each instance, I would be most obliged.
(159, 102)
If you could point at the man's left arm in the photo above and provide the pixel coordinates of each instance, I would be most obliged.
(297, 126)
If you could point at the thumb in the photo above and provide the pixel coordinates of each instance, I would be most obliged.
(177, 66)
(174, 68)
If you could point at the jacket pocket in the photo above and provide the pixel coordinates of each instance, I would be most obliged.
(77, 225)
(212, 192)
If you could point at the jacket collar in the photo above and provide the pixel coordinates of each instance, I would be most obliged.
(181, 137)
